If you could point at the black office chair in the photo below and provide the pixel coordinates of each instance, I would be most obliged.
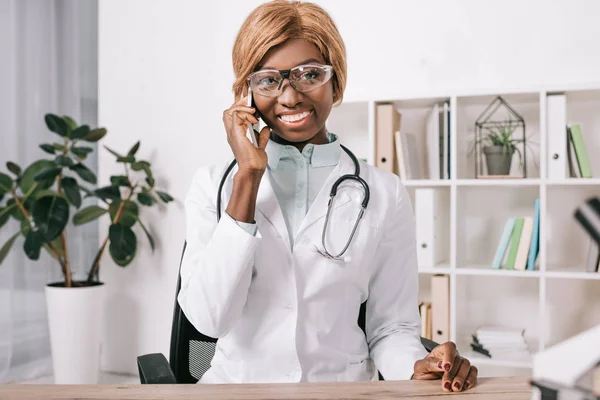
(191, 352)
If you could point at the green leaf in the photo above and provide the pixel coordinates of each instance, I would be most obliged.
(65, 161)
(80, 132)
(139, 165)
(27, 180)
(50, 215)
(56, 124)
(95, 135)
(7, 246)
(38, 194)
(33, 244)
(134, 149)
(14, 168)
(14, 210)
(109, 192)
(150, 181)
(88, 214)
(123, 244)
(129, 215)
(71, 124)
(48, 148)
(49, 174)
(4, 216)
(60, 147)
(150, 238)
(164, 196)
(114, 153)
(71, 188)
(84, 172)
(120, 180)
(82, 152)
(128, 159)
(6, 183)
(145, 199)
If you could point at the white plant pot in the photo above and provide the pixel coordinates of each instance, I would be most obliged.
(75, 318)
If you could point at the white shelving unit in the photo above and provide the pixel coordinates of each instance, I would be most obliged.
(557, 299)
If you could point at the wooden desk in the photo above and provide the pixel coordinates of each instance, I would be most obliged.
(516, 388)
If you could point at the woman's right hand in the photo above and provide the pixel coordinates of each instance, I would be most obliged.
(251, 160)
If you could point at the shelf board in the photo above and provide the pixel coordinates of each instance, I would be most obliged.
(498, 182)
(438, 269)
(426, 182)
(572, 273)
(574, 182)
(486, 270)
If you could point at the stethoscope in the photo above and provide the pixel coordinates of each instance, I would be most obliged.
(355, 177)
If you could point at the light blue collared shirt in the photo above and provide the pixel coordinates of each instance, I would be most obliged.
(297, 177)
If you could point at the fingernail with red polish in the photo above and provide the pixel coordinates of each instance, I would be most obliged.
(457, 385)
(447, 367)
(448, 386)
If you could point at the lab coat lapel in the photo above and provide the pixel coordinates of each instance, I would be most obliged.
(318, 209)
(268, 205)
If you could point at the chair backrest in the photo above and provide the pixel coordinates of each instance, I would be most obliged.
(192, 352)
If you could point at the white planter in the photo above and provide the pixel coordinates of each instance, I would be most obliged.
(75, 318)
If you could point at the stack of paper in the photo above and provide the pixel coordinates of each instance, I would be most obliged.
(501, 343)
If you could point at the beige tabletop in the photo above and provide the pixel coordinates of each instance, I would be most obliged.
(488, 388)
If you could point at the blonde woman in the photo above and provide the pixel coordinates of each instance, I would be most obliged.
(273, 272)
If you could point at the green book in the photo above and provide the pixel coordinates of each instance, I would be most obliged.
(514, 244)
(580, 152)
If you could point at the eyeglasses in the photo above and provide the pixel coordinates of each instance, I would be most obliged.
(303, 78)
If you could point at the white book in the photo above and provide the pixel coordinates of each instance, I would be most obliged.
(433, 143)
(524, 242)
(412, 161)
(400, 159)
(556, 119)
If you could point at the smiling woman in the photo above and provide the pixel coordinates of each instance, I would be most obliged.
(261, 277)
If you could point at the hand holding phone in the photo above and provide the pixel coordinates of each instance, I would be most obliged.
(250, 132)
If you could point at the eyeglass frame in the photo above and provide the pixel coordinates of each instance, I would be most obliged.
(285, 74)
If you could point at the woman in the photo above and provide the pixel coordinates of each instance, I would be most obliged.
(256, 274)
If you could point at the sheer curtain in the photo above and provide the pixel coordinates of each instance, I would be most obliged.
(49, 57)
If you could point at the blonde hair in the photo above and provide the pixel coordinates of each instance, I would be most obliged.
(277, 21)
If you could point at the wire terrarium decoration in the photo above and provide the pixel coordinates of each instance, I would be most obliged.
(497, 140)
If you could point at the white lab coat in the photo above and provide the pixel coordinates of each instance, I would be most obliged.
(291, 316)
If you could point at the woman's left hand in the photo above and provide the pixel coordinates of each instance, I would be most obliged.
(444, 362)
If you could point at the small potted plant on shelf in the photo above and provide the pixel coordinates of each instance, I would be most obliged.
(499, 147)
(42, 198)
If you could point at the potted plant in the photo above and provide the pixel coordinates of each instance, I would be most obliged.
(42, 198)
(499, 147)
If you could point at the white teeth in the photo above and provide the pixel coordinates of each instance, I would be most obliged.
(294, 117)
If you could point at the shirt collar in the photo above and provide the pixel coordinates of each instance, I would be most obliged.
(321, 155)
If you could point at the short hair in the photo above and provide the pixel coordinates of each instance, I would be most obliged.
(278, 21)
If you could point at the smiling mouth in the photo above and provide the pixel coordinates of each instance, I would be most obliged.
(295, 118)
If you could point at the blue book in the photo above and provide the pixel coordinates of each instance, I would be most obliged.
(503, 245)
(535, 237)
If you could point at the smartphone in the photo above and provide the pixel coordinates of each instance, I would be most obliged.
(250, 131)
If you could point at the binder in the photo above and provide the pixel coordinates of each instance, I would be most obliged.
(388, 121)
(556, 117)
(431, 221)
(440, 308)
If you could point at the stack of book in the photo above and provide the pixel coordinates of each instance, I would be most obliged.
(519, 245)
(501, 343)
(397, 146)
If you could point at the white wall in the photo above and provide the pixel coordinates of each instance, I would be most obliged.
(165, 78)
